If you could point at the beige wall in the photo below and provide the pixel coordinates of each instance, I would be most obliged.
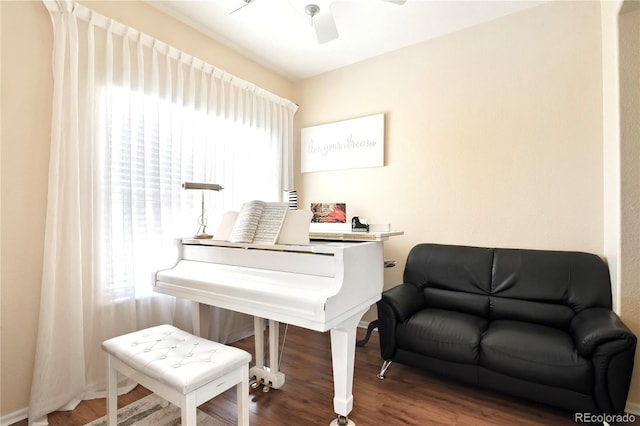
(493, 135)
(26, 118)
(26, 115)
(629, 31)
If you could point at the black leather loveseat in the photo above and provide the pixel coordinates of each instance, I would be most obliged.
(532, 323)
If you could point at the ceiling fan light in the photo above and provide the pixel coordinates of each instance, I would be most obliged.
(325, 27)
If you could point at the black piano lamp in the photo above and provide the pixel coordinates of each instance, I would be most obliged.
(202, 220)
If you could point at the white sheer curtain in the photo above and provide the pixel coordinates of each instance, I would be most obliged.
(132, 119)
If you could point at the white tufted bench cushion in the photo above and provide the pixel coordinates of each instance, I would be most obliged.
(178, 360)
(175, 357)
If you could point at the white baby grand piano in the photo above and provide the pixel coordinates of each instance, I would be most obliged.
(321, 286)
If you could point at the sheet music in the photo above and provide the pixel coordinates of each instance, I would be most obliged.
(247, 222)
(259, 222)
(270, 223)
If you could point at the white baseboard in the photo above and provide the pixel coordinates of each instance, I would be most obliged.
(14, 417)
(361, 324)
(633, 407)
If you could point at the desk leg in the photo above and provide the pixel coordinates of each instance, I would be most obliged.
(343, 351)
(201, 319)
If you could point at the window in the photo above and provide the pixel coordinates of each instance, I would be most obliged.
(150, 147)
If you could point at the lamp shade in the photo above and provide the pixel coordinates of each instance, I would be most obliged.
(200, 185)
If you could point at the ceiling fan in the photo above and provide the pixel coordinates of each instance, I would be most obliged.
(321, 16)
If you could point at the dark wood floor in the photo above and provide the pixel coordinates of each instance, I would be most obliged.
(406, 397)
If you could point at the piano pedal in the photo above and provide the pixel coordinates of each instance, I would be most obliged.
(257, 384)
(266, 387)
(342, 421)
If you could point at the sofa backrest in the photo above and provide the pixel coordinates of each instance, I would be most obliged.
(541, 286)
(452, 277)
(547, 287)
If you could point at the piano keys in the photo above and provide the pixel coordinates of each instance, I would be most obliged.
(324, 286)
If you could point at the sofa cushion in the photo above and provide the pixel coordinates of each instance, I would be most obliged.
(446, 335)
(460, 301)
(536, 353)
(452, 277)
(547, 287)
(551, 314)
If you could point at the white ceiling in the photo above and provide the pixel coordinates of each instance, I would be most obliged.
(278, 34)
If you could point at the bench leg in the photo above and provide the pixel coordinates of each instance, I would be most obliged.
(189, 410)
(112, 394)
(242, 390)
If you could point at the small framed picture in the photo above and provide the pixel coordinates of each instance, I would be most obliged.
(329, 213)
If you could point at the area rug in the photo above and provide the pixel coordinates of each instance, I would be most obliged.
(149, 411)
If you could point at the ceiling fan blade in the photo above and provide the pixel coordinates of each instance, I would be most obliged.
(325, 26)
(246, 3)
(396, 1)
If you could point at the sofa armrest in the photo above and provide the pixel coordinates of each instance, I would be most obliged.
(404, 300)
(395, 306)
(600, 335)
(596, 326)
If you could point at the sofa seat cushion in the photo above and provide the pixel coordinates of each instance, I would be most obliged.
(447, 335)
(536, 353)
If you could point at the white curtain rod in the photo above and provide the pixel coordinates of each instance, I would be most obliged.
(101, 21)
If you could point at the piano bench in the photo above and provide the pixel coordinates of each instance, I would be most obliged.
(183, 369)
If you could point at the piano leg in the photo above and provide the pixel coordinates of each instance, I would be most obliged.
(274, 346)
(201, 318)
(343, 351)
(270, 376)
(258, 332)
